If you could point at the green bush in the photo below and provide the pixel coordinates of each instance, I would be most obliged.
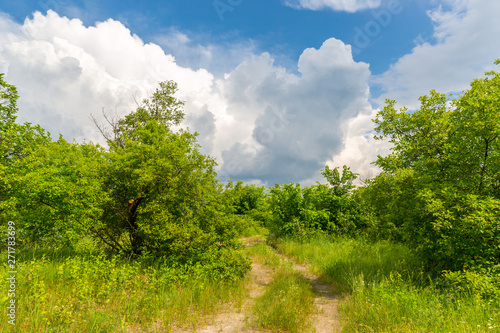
(485, 284)
(322, 208)
(462, 231)
(250, 207)
(151, 193)
(439, 189)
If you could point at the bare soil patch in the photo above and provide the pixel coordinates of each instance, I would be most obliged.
(325, 300)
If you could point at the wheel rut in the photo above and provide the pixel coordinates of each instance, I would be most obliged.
(232, 319)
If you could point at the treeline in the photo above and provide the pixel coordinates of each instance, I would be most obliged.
(151, 193)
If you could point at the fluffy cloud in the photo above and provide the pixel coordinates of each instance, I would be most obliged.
(350, 6)
(360, 148)
(298, 121)
(465, 45)
(66, 71)
(260, 121)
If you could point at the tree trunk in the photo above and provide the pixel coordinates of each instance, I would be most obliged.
(136, 239)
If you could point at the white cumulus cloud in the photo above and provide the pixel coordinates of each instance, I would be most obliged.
(260, 121)
(66, 71)
(465, 46)
(297, 122)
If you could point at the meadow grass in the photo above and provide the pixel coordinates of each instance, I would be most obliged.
(386, 289)
(85, 291)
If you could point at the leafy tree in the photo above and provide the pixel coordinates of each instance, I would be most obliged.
(151, 193)
(162, 108)
(418, 138)
(341, 184)
(439, 189)
(15, 139)
(58, 192)
(475, 139)
(453, 141)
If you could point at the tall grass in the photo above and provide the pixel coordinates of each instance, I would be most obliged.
(68, 291)
(387, 290)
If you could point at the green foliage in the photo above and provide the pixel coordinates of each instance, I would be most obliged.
(475, 140)
(162, 108)
(15, 139)
(480, 285)
(454, 142)
(319, 208)
(394, 204)
(461, 233)
(340, 185)
(418, 137)
(250, 207)
(58, 191)
(439, 189)
(151, 193)
(246, 198)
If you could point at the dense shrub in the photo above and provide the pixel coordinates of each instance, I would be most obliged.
(322, 208)
(150, 193)
(250, 206)
(439, 189)
(461, 233)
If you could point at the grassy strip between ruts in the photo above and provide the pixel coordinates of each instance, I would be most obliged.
(288, 300)
(387, 291)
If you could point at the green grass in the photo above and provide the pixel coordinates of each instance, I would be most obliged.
(387, 290)
(68, 291)
(286, 305)
(343, 261)
(288, 300)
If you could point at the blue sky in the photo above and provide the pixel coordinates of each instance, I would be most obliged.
(276, 89)
(274, 27)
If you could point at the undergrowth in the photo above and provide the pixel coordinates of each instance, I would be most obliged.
(67, 291)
